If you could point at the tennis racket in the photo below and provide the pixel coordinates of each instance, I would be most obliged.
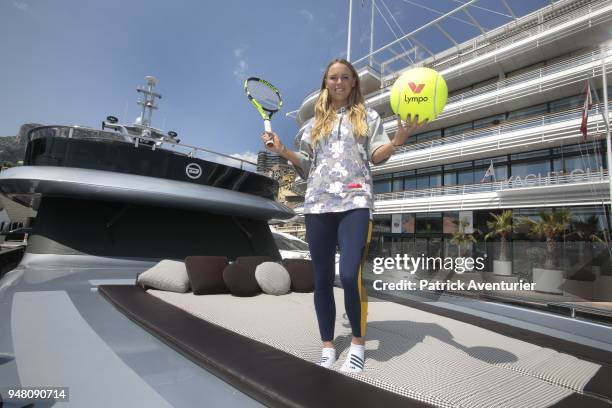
(266, 99)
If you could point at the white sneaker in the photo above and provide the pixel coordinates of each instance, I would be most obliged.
(355, 360)
(328, 357)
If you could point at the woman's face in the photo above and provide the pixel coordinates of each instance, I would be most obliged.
(339, 83)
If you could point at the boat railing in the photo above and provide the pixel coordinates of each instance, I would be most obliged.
(139, 141)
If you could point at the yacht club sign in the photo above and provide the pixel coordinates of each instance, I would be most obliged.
(574, 175)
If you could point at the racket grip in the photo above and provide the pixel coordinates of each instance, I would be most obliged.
(268, 129)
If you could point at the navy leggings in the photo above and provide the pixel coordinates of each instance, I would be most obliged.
(351, 230)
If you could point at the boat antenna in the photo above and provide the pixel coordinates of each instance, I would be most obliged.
(148, 103)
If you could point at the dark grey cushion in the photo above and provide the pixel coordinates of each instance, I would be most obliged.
(273, 278)
(251, 262)
(206, 274)
(240, 280)
(301, 273)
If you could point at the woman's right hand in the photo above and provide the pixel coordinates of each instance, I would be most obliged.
(277, 147)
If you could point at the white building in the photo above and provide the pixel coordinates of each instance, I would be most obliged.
(515, 100)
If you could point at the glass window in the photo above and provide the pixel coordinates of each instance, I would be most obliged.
(465, 177)
(501, 172)
(529, 155)
(600, 93)
(398, 185)
(429, 222)
(428, 136)
(403, 173)
(422, 182)
(450, 179)
(435, 180)
(410, 183)
(567, 103)
(382, 223)
(458, 129)
(590, 161)
(449, 222)
(486, 162)
(582, 214)
(527, 112)
(456, 166)
(539, 168)
(383, 186)
(432, 169)
(489, 121)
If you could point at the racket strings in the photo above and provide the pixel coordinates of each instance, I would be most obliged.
(264, 95)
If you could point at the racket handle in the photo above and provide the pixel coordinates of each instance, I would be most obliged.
(268, 129)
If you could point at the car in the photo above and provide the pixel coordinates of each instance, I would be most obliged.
(291, 247)
(15, 238)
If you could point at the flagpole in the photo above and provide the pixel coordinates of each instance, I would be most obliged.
(607, 121)
(348, 42)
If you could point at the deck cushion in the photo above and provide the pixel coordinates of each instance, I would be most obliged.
(240, 280)
(166, 275)
(301, 273)
(251, 262)
(273, 278)
(206, 274)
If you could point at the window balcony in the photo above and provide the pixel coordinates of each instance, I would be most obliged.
(577, 188)
(562, 79)
(549, 130)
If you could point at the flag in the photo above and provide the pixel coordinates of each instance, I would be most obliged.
(490, 172)
(588, 104)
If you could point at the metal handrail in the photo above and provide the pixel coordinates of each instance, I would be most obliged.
(499, 130)
(592, 56)
(535, 74)
(193, 150)
(588, 177)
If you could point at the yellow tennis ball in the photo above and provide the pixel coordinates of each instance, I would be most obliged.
(419, 91)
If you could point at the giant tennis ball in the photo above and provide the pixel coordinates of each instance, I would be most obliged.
(419, 91)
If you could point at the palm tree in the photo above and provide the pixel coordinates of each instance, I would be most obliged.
(501, 226)
(549, 226)
(587, 231)
(460, 237)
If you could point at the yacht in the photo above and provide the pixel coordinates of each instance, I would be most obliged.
(112, 203)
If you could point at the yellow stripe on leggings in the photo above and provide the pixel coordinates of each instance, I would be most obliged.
(363, 297)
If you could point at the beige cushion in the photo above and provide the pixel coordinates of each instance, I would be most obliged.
(166, 275)
(273, 278)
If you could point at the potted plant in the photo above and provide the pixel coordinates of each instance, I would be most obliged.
(501, 226)
(550, 277)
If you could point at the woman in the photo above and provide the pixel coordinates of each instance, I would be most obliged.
(335, 151)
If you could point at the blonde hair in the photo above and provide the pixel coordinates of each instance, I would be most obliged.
(325, 114)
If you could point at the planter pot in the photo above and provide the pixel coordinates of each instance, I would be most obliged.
(548, 280)
(502, 267)
(603, 288)
(584, 290)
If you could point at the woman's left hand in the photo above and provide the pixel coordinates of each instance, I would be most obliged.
(406, 129)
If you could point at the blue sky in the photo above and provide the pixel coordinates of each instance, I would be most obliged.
(77, 61)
